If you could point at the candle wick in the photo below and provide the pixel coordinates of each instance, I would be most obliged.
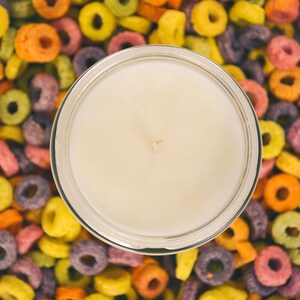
(157, 145)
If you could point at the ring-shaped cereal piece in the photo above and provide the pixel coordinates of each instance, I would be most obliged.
(282, 11)
(273, 139)
(37, 43)
(6, 193)
(286, 228)
(70, 28)
(20, 10)
(50, 11)
(41, 259)
(69, 293)
(261, 56)
(257, 94)
(272, 266)
(136, 23)
(8, 249)
(214, 265)
(96, 21)
(125, 39)
(8, 162)
(122, 9)
(15, 67)
(285, 84)
(254, 36)
(209, 18)
(253, 70)
(288, 163)
(48, 286)
(293, 136)
(63, 272)
(113, 281)
(283, 52)
(184, 263)
(7, 44)
(235, 71)
(282, 192)
(56, 248)
(292, 288)
(124, 258)
(190, 288)
(4, 17)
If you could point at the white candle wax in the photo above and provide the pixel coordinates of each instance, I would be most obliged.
(157, 148)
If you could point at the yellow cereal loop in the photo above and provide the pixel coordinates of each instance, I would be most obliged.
(1, 71)
(197, 44)
(231, 292)
(260, 54)
(33, 216)
(96, 30)
(235, 72)
(288, 163)
(97, 296)
(215, 53)
(273, 139)
(245, 13)
(67, 276)
(287, 29)
(4, 17)
(11, 287)
(153, 38)
(184, 263)
(54, 247)
(15, 67)
(213, 294)
(171, 27)
(12, 133)
(113, 281)
(131, 294)
(168, 294)
(57, 220)
(209, 18)
(6, 193)
(136, 23)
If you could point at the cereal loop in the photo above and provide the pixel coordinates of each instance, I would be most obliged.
(50, 12)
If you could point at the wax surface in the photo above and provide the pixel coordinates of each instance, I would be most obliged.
(156, 148)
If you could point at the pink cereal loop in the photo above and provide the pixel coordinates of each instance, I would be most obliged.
(71, 28)
(8, 162)
(258, 95)
(266, 168)
(293, 136)
(38, 156)
(118, 41)
(27, 236)
(283, 52)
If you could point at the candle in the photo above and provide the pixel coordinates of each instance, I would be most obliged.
(156, 148)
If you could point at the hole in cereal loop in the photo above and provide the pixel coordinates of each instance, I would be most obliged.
(45, 42)
(88, 260)
(97, 22)
(30, 191)
(229, 233)
(64, 37)
(124, 2)
(292, 231)
(288, 80)
(282, 194)
(266, 138)
(12, 107)
(212, 18)
(274, 264)
(51, 3)
(2, 253)
(154, 284)
(287, 50)
(90, 61)
(73, 274)
(215, 267)
(126, 45)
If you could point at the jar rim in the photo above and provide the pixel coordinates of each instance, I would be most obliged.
(145, 244)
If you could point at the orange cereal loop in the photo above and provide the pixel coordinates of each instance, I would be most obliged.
(51, 9)
(16, 179)
(285, 84)
(254, 297)
(16, 206)
(37, 43)
(245, 254)
(175, 4)
(259, 190)
(156, 2)
(282, 193)
(10, 220)
(137, 270)
(69, 293)
(237, 232)
(151, 281)
(5, 86)
(60, 98)
(150, 12)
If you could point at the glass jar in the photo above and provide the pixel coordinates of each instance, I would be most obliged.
(84, 210)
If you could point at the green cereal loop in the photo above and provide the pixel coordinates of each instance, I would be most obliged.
(120, 9)
(15, 67)
(21, 9)
(7, 44)
(197, 44)
(41, 259)
(23, 82)
(62, 68)
(294, 255)
(14, 107)
(68, 276)
(286, 229)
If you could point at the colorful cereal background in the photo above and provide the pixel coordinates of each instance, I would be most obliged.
(44, 252)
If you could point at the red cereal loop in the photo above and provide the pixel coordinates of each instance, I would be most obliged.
(282, 11)
(283, 52)
(38, 156)
(266, 168)
(8, 162)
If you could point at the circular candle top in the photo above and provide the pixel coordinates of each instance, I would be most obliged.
(155, 149)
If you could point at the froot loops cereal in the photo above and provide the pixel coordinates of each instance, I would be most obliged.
(45, 45)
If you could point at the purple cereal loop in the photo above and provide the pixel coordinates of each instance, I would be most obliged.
(124, 258)
(210, 255)
(292, 288)
(43, 92)
(253, 285)
(257, 219)
(48, 285)
(26, 266)
(74, 36)
(253, 70)
(293, 136)
(168, 263)
(8, 250)
(25, 164)
(88, 248)
(187, 7)
(190, 288)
